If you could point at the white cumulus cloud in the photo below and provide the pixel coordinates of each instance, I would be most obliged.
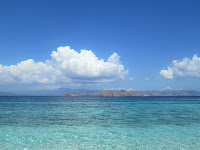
(184, 68)
(65, 66)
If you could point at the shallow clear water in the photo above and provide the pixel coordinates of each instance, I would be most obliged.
(99, 123)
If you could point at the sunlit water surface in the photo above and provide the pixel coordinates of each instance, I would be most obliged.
(83, 123)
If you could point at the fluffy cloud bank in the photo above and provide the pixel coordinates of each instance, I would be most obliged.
(66, 66)
(184, 68)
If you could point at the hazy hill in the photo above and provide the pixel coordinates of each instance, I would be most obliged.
(119, 93)
(172, 93)
(58, 92)
(8, 94)
(84, 92)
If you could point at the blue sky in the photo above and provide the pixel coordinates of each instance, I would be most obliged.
(147, 35)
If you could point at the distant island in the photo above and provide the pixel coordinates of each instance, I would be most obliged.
(138, 93)
(93, 92)
(70, 94)
(109, 93)
(120, 93)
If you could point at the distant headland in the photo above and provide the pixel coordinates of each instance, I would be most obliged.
(140, 93)
(109, 93)
(89, 92)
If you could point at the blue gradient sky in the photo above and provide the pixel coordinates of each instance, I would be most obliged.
(148, 35)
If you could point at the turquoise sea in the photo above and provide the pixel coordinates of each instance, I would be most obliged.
(90, 123)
